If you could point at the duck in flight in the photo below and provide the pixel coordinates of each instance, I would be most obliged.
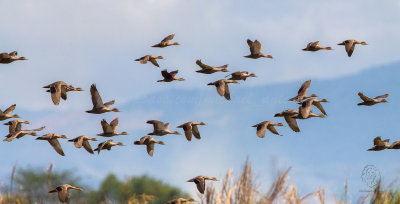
(149, 142)
(256, 50)
(98, 106)
(190, 129)
(207, 69)
(302, 93)
(151, 58)
(4, 115)
(222, 87)
(263, 126)
(350, 45)
(170, 76)
(63, 192)
(315, 46)
(7, 58)
(367, 101)
(59, 90)
(200, 182)
(110, 130)
(166, 42)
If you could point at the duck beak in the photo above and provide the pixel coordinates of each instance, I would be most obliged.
(77, 188)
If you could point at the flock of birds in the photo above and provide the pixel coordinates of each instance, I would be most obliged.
(59, 89)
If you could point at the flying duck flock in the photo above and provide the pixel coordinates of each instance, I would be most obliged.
(59, 89)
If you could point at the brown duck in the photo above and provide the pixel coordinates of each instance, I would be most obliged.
(83, 140)
(289, 118)
(372, 101)
(52, 138)
(240, 75)
(263, 126)
(63, 192)
(200, 182)
(15, 131)
(256, 50)
(181, 201)
(170, 76)
(190, 129)
(222, 87)
(207, 69)
(315, 46)
(7, 58)
(350, 45)
(302, 93)
(98, 106)
(4, 115)
(107, 145)
(59, 90)
(149, 142)
(161, 129)
(305, 107)
(379, 144)
(395, 145)
(166, 42)
(110, 130)
(151, 58)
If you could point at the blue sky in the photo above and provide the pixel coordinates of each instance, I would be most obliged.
(83, 43)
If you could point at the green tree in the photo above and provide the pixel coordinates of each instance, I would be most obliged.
(113, 190)
(32, 184)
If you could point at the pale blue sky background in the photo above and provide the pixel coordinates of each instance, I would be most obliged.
(85, 42)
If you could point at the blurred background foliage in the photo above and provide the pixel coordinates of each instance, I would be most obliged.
(31, 185)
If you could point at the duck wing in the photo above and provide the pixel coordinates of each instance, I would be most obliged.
(87, 146)
(292, 122)
(157, 125)
(150, 148)
(55, 93)
(272, 129)
(349, 45)
(64, 92)
(166, 74)
(304, 88)
(196, 132)
(227, 93)
(106, 127)
(319, 106)
(364, 98)
(187, 128)
(56, 145)
(203, 66)
(114, 124)
(154, 62)
(168, 38)
(200, 184)
(261, 129)
(96, 98)
(9, 109)
(382, 96)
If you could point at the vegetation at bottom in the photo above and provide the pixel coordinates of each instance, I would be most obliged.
(30, 185)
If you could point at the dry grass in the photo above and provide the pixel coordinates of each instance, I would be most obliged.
(245, 190)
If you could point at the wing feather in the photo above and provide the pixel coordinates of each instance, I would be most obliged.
(10, 109)
(96, 98)
(56, 145)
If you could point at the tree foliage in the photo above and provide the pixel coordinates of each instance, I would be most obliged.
(31, 186)
(140, 187)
